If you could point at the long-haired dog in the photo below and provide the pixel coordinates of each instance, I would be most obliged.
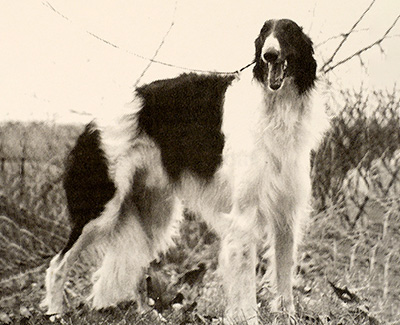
(233, 149)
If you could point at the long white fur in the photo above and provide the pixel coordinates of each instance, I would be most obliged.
(262, 187)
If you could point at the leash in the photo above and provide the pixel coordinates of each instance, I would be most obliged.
(244, 68)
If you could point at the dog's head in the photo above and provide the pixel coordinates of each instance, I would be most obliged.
(283, 51)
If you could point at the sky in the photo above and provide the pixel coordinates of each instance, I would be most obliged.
(53, 68)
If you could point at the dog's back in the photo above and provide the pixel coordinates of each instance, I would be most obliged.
(234, 149)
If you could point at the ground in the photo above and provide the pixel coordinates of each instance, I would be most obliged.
(348, 261)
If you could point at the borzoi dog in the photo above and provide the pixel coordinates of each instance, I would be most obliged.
(234, 149)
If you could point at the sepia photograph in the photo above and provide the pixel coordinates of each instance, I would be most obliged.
(200, 162)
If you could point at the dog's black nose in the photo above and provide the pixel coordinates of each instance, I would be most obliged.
(271, 55)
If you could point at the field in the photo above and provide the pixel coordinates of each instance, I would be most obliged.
(349, 260)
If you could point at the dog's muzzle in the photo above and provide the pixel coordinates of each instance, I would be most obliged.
(276, 68)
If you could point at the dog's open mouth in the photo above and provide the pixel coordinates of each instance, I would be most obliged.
(276, 73)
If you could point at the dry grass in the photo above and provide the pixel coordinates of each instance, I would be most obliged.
(338, 252)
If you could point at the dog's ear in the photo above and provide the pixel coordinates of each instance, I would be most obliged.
(264, 32)
(308, 51)
(258, 44)
(258, 70)
(306, 65)
(307, 40)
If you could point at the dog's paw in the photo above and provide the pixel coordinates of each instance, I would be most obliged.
(282, 305)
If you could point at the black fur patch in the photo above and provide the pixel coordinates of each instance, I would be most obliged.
(184, 117)
(87, 184)
(296, 48)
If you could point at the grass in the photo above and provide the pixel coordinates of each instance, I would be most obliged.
(348, 271)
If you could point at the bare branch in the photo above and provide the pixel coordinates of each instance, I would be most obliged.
(381, 49)
(152, 60)
(313, 15)
(83, 113)
(346, 36)
(341, 35)
(159, 47)
(362, 63)
(48, 5)
(364, 49)
(393, 36)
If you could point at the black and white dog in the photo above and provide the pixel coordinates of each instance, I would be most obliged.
(233, 149)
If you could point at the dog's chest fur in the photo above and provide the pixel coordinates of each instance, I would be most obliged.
(266, 146)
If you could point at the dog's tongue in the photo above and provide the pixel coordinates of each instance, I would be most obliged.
(275, 74)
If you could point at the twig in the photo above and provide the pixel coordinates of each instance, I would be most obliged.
(346, 36)
(366, 48)
(47, 4)
(159, 47)
(80, 112)
(344, 294)
(152, 60)
(339, 36)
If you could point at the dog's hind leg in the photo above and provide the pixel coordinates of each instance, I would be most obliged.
(126, 254)
(93, 232)
(93, 203)
(149, 219)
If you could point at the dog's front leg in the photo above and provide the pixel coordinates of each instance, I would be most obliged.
(284, 262)
(237, 265)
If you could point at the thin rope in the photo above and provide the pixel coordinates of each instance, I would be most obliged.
(245, 67)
